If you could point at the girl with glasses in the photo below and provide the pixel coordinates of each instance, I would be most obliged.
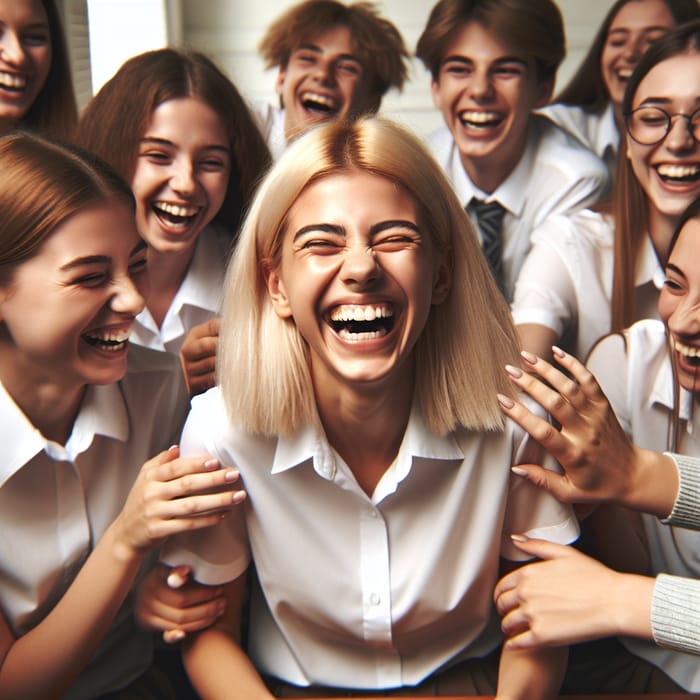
(590, 105)
(599, 271)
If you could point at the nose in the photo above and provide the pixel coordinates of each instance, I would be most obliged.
(182, 178)
(480, 85)
(128, 297)
(324, 72)
(633, 50)
(679, 137)
(360, 268)
(11, 50)
(684, 322)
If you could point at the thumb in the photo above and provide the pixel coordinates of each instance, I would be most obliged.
(554, 483)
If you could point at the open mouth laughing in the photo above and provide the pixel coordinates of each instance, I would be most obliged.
(108, 340)
(357, 322)
(680, 173)
(319, 104)
(12, 81)
(480, 120)
(175, 215)
(690, 355)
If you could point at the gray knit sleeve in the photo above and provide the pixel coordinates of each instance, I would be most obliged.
(675, 613)
(686, 509)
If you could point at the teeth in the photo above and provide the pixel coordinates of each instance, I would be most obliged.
(113, 340)
(624, 74)
(686, 350)
(677, 171)
(324, 100)
(12, 80)
(346, 334)
(175, 209)
(479, 117)
(351, 312)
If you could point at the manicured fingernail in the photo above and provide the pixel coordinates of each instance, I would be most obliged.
(519, 471)
(514, 371)
(238, 496)
(518, 538)
(505, 401)
(221, 608)
(173, 636)
(172, 447)
(558, 351)
(211, 464)
(231, 475)
(176, 580)
(529, 357)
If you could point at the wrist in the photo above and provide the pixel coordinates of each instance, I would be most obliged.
(653, 483)
(631, 609)
(121, 549)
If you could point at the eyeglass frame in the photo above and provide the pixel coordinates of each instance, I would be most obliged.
(669, 123)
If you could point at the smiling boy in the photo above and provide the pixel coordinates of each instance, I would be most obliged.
(334, 61)
(493, 62)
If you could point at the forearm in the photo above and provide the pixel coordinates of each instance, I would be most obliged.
(45, 661)
(531, 674)
(220, 670)
(653, 484)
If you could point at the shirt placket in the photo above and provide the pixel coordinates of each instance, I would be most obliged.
(376, 596)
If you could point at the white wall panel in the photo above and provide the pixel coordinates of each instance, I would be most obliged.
(229, 31)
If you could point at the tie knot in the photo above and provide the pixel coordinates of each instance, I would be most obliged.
(487, 211)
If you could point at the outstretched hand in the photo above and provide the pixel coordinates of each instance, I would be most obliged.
(600, 462)
(198, 356)
(569, 597)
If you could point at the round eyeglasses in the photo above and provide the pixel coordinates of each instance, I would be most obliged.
(649, 125)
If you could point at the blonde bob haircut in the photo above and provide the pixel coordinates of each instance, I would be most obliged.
(460, 355)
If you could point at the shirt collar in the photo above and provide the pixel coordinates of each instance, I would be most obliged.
(103, 412)
(310, 444)
(607, 137)
(512, 192)
(649, 268)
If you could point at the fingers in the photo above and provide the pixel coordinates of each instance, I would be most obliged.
(201, 341)
(557, 484)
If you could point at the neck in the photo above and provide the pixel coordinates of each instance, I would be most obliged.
(489, 173)
(166, 273)
(366, 427)
(51, 405)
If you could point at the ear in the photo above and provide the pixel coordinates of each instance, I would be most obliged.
(279, 83)
(545, 88)
(278, 296)
(435, 91)
(442, 278)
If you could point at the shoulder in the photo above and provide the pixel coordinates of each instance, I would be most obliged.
(559, 147)
(641, 343)
(440, 143)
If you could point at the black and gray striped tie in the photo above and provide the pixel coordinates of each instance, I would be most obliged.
(489, 217)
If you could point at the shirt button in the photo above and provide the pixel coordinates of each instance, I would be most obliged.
(374, 599)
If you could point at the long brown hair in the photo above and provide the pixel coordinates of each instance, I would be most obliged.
(115, 120)
(587, 87)
(42, 184)
(630, 207)
(54, 112)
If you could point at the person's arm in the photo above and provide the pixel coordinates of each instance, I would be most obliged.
(170, 601)
(600, 462)
(675, 613)
(168, 496)
(216, 664)
(530, 673)
(569, 597)
(198, 356)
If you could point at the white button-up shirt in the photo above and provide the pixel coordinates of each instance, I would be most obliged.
(567, 278)
(595, 130)
(636, 375)
(197, 300)
(368, 592)
(56, 501)
(555, 175)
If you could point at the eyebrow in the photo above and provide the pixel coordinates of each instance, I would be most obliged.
(317, 49)
(675, 268)
(99, 259)
(503, 59)
(661, 101)
(156, 140)
(373, 231)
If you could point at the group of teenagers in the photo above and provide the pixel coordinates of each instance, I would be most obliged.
(295, 403)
